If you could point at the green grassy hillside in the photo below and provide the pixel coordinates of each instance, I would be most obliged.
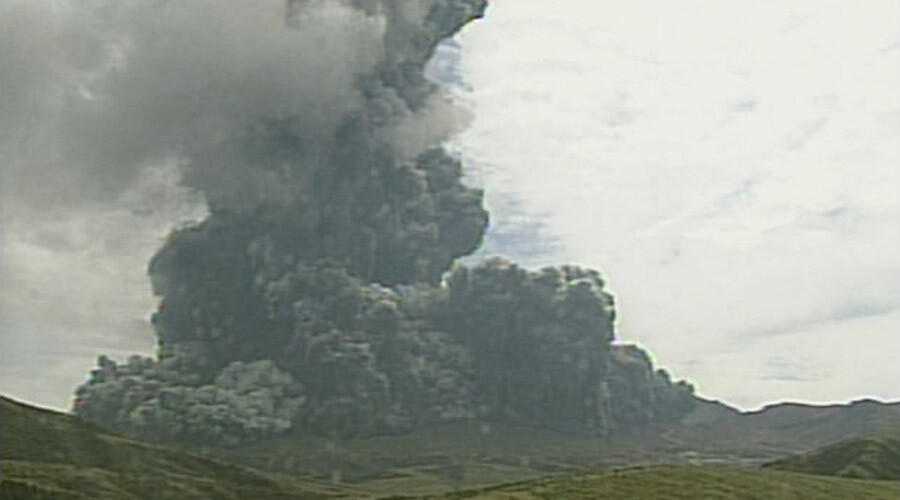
(488, 452)
(689, 483)
(47, 455)
(784, 429)
(873, 458)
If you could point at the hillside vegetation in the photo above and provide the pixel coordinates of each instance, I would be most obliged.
(47, 455)
(689, 483)
(873, 458)
(491, 452)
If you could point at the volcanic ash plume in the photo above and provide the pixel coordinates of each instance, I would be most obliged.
(311, 297)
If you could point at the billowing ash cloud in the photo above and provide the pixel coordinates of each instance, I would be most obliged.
(311, 296)
(95, 91)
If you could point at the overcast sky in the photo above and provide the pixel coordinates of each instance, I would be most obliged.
(731, 167)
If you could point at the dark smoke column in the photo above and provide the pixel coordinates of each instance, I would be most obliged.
(311, 298)
(305, 212)
(352, 198)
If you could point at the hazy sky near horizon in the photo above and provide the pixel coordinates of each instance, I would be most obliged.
(733, 168)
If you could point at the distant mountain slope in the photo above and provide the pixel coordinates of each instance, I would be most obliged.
(782, 429)
(872, 458)
(689, 483)
(48, 455)
(484, 453)
(829, 423)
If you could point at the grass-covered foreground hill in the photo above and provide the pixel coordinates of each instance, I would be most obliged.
(689, 483)
(46, 455)
(474, 454)
(872, 458)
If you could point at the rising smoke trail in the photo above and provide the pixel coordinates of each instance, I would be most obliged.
(315, 295)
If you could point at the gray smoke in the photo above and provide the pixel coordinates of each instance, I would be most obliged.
(93, 92)
(310, 297)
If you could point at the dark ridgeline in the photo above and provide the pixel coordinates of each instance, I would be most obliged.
(315, 296)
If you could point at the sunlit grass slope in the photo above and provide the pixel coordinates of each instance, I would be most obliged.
(690, 483)
(48, 455)
(873, 458)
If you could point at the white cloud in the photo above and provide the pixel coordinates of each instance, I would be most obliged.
(732, 167)
(75, 286)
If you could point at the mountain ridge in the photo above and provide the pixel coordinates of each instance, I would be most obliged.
(876, 457)
(46, 454)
